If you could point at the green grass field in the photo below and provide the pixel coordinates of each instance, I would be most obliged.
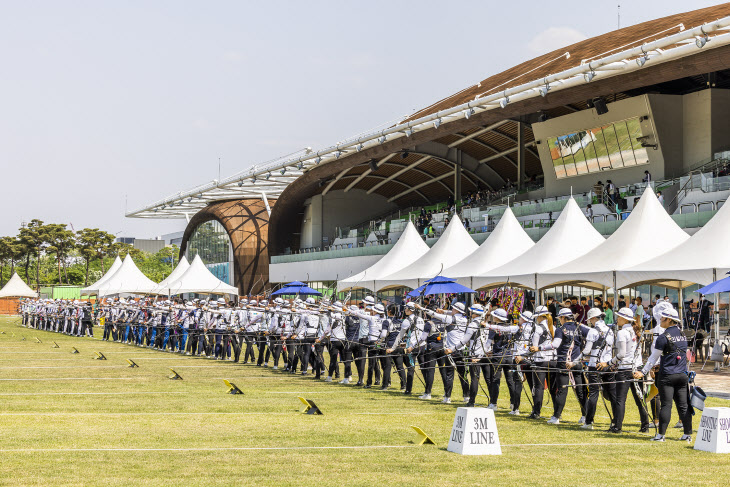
(67, 419)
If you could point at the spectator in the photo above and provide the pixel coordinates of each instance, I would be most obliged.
(633, 307)
(704, 313)
(660, 197)
(466, 223)
(589, 212)
(582, 310)
(551, 307)
(608, 311)
(639, 311)
(647, 177)
(621, 301)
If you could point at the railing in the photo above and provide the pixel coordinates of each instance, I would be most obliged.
(698, 207)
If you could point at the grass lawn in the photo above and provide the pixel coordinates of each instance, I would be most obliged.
(67, 419)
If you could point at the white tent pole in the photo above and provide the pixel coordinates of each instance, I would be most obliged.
(537, 298)
(681, 307)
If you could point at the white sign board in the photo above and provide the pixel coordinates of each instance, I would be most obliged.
(474, 433)
(713, 434)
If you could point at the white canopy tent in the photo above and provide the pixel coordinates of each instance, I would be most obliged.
(17, 288)
(507, 241)
(648, 231)
(198, 279)
(127, 280)
(453, 245)
(178, 271)
(94, 288)
(408, 249)
(571, 236)
(700, 259)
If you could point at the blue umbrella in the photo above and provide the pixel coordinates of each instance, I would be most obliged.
(440, 285)
(296, 287)
(721, 286)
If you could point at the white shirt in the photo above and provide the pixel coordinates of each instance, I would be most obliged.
(625, 348)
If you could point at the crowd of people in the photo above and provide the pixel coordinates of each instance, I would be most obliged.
(558, 347)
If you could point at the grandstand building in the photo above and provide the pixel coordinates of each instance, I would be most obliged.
(650, 97)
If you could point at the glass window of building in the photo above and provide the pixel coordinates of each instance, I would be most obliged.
(210, 240)
(611, 146)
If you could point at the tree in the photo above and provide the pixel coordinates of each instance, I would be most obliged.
(60, 242)
(33, 238)
(5, 256)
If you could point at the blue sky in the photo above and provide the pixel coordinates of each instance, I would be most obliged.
(106, 105)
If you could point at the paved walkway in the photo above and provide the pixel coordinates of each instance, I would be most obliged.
(715, 384)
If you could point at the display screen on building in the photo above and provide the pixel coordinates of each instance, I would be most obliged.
(210, 240)
(612, 146)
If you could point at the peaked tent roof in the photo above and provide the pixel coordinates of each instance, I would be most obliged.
(199, 279)
(127, 279)
(692, 261)
(507, 241)
(409, 248)
(17, 288)
(571, 236)
(94, 288)
(453, 245)
(178, 271)
(627, 246)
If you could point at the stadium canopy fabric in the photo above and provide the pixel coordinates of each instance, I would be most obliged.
(94, 288)
(178, 271)
(691, 262)
(127, 280)
(199, 279)
(17, 288)
(453, 245)
(507, 241)
(408, 249)
(571, 236)
(648, 231)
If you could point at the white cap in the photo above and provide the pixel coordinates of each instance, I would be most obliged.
(310, 301)
(626, 314)
(378, 308)
(458, 306)
(354, 309)
(527, 316)
(670, 313)
(566, 312)
(253, 302)
(221, 301)
(541, 310)
(337, 304)
(264, 302)
(244, 301)
(500, 314)
(278, 300)
(477, 309)
(411, 305)
(594, 312)
(369, 300)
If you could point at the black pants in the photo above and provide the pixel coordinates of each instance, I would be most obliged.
(277, 347)
(455, 365)
(107, 331)
(305, 351)
(674, 387)
(494, 379)
(357, 352)
(396, 357)
(337, 353)
(434, 357)
(372, 353)
(482, 366)
(410, 364)
(514, 382)
(250, 341)
(318, 359)
(261, 345)
(562, 379)
(594, 387)
(623, 384)
(539, 376)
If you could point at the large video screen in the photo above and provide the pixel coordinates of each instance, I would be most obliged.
(612, 146)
